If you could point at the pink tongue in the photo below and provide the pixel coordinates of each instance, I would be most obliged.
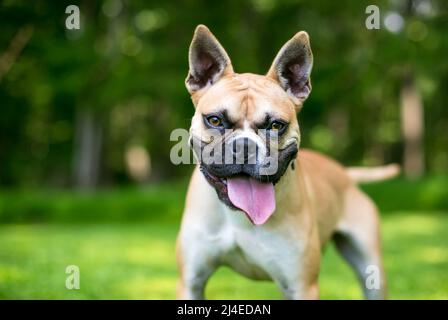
(256, 199)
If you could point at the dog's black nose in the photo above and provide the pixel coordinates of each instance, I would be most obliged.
(244, 151)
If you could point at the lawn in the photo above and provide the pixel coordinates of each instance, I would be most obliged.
(137, 261)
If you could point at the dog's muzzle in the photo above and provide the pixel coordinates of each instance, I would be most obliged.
(241, 156)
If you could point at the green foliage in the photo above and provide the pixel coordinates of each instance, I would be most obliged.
(128, 63)
(156, 203)
(404, 195)
(164, 203)
(138, 262)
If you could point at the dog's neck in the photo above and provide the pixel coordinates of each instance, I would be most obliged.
(288, 186)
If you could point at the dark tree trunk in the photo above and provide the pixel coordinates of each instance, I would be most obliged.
(88, 141)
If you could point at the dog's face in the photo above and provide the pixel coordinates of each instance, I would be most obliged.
(245, 130)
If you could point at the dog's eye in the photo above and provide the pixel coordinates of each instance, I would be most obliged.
(276, 126)
(214, 121)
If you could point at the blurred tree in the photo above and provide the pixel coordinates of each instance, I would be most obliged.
(76, 103)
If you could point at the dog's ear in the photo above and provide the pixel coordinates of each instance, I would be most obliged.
(208, 60)
(292, 67)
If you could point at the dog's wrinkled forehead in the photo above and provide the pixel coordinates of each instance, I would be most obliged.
(247, 99)
(214, 85)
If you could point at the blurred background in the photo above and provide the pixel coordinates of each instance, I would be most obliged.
(86, 116)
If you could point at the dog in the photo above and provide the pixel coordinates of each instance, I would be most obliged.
(268, 225)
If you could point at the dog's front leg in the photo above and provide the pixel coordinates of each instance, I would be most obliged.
(299, 278)
(191, 285)
(195, 266)
(298, 291)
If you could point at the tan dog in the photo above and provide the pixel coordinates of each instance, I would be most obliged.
(268, 225)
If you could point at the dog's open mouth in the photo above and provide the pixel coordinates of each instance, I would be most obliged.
(255, 198)
(249, 187)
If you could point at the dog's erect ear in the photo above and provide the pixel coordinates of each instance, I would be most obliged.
(208, 60)
(292, 67)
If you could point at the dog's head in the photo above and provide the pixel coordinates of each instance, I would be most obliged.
(244, 130)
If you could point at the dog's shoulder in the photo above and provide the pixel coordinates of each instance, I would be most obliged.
(324, 168)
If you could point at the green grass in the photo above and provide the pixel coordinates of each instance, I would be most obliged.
(123, 241)
(137, 261)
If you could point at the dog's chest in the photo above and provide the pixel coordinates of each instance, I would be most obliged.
(258, 252)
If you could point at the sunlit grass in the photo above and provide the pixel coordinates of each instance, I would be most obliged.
(138, 262)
